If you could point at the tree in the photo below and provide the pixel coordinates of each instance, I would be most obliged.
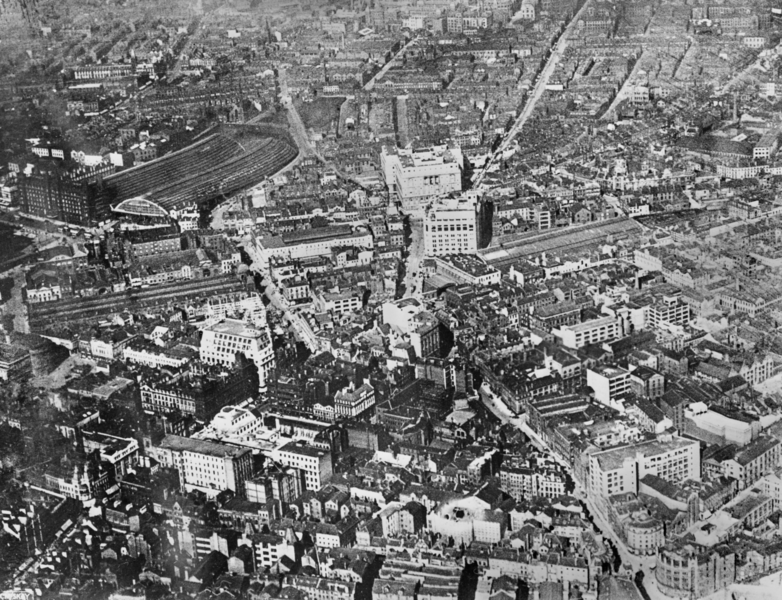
(210, 515)
(319, 221)
(617, 559)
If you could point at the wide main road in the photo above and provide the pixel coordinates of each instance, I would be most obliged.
(557, 51)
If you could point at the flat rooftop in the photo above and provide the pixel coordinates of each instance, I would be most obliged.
(560, 241)
(235, 327)
(559, 308)
(589, 325)
(613, 459)
(468, 264)
(317, 234)
(295, 448)
(177, 443)
(610, 371)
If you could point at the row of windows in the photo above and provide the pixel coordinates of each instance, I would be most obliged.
(451, 227)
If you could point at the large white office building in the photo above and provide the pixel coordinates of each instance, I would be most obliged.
(609, 383)
(618, 470)
(308, 243)
(210, 467)
(595, 331)
(314, 462)
(451, 226)
(222, 341)
(416, 177)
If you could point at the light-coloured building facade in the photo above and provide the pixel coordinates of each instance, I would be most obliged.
(617, 470)
(595, 331)
(644, 534)
(154, 357)
(353, 401)
(308, 243)
(210, 467)
(689, 571)
(222, 341)
(416, 177)
(754, 461)
(451, 226)
(608, 383)
(314, 462)
(467, 269)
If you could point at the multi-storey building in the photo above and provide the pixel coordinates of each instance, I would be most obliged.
(669, 309)
(210, 467)
(397, 518)
(467, 269)
(590, 332)
(416, 177)
(15, 362)
(314, 462)
(523, 482)
(475, 21)
(644, 534)
(647, 382)
(556, 315)
(56, 196)
(47, 285)
(756, 368)
(352, 401)
(139, 244)
(617, 470)
(528, 9)
(120, 453)
(251, 305)
(295, 288)
(269, 549)
(221, 342)
(688, 571)
(81, 482)
(337, 303)
(309, 243)
(234, 422)
(200, 395)
(151, 355)
(454, 23)
(317, 588)
(283, 484)
(426, 336)
(103, 71)
(451, 226)
(753, 461)
(768, 143)
(608, 382)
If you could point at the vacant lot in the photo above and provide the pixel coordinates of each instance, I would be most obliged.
(320, 114)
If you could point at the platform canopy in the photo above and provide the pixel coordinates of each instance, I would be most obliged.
(140, 206)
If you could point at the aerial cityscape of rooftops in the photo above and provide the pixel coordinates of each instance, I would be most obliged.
(390, 299)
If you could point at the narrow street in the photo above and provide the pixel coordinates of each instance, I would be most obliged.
(414, 280)
(498, 408)
(299, 323)
(379, 75)
(628, 85)
(539, 87)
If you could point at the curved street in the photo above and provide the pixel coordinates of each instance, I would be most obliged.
(635, 563)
